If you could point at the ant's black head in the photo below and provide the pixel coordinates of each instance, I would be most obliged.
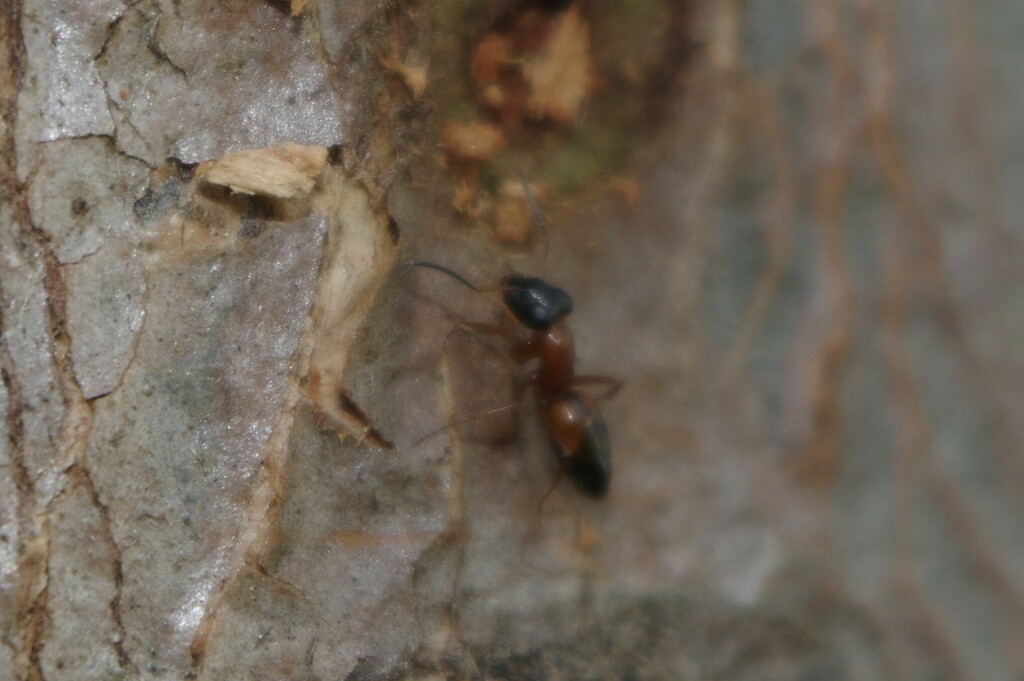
(534, 302)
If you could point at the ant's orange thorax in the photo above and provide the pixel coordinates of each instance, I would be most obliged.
(553, 348)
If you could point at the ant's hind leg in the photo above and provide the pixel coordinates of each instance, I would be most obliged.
(563, 468)
(614, 383)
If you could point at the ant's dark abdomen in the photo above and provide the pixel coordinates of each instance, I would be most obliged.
(580, 439)
(591, 468)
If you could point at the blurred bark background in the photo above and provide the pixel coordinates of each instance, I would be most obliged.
(790, 226)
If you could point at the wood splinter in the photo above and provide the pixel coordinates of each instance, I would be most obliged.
(288, 171)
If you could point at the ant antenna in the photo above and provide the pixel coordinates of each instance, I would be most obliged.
(441, 268)
(538, 218)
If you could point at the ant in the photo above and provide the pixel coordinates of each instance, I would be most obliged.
(572, 420)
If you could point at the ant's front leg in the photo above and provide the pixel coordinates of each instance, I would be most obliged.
(485, 329)
(520, 394)
(469, 419)
(522, 350)
(474, 332)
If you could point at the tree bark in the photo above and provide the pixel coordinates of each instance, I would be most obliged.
(790, 233)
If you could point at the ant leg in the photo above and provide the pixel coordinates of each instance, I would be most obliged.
(563, 468)
(522, 350)
(616, 384)
(473, 417)
(520, 388)
(487, 329)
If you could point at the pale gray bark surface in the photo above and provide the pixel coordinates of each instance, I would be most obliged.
(816, 305)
